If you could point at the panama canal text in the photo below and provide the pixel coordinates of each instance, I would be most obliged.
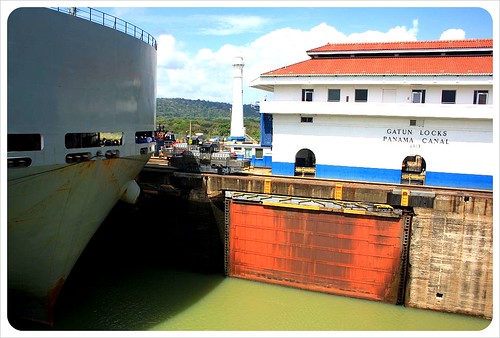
(424, 136)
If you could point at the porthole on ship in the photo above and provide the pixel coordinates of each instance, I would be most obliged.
(413, 170)
(305, 163)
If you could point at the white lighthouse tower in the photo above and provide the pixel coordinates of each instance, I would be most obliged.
(237, 129)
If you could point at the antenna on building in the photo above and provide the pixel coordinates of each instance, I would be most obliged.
(237, 128)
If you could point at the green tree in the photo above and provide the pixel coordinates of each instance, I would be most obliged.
(210, 118)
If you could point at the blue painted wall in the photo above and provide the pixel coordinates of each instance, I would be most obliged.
(453, 180)
(265, 162)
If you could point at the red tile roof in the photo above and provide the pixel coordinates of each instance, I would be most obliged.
(409, 58)
(407, 45)
(445, 65)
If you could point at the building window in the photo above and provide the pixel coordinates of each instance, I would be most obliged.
(89, 140)
(416, 123)
(259, 153)
(448, 96)
(144, 136)
(418, 96)
(361, 95)
(480, 97)
(307, 94)
(24, 142)
(306, 119)
(333, 95)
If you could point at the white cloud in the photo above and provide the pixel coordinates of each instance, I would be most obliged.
(169, 54)
(398, 33)
(453, 34)
(208, 74)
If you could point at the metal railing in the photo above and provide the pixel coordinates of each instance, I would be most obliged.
(96, 16)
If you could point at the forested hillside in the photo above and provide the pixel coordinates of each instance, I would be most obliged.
(210, 118)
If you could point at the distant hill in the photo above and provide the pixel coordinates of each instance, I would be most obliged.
(198, 109)
(210, 118)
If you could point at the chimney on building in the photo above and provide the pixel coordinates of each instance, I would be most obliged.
(237, 129)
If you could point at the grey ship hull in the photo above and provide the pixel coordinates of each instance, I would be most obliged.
(69, 76)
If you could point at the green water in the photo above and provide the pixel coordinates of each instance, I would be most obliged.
(167, 300)
(151, 273)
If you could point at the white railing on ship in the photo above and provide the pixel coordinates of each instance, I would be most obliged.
(111, 21)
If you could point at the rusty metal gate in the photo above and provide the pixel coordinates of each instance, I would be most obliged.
(344, 248)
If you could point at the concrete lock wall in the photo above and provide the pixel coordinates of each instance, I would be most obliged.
(451, 257)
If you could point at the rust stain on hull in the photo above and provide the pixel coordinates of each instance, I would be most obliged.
(52, 298)
(349, 255)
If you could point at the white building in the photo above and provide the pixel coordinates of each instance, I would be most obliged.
(417, 112)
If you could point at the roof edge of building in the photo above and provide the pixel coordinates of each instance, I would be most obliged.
(376, 74)
(424, 45)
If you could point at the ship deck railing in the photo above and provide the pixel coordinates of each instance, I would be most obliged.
(110, 21)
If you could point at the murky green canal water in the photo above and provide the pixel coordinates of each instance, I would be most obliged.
(159, 299)
(156, 267)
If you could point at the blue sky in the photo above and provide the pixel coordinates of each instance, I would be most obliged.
(196, 45)
(212, 27)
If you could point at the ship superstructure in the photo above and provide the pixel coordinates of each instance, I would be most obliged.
(417, 112)
(81, 116)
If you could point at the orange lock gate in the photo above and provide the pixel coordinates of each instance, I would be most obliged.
(355, 251)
